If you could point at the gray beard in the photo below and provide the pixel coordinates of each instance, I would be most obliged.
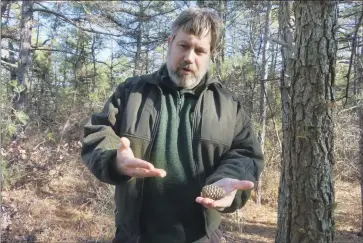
(183, 81)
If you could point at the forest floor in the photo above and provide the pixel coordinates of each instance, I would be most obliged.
(49, 196)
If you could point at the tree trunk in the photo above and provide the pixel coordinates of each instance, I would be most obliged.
(219, 58)
(93, 52)
(306, 213)
(20, 99)
(4, 6)
(263, 88)
(273, 90)
(284, 198)
(139, 35)
(12, 60)
(147, 52)
(355, 61)
(112, 82)
(64, 71)
(202, 3)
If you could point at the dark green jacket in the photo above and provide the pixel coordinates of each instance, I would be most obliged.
(224, 143)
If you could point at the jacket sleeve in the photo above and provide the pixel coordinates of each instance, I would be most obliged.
(101, 139)
(244, 160)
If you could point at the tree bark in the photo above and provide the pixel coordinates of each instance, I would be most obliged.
(112, 82)
(219, 56)
(93, 52)
(4, 6)
(20, 99)
(202, 3)
(284, 198)
(306, 214)
(139, 36)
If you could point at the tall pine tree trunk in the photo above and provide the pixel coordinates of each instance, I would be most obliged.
(307, 215)
(20, 99)
(284, 199)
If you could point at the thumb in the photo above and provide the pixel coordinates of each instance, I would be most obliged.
(125, 142)
(124, 146)
(243, 185)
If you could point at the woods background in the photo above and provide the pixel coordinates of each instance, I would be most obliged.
(297, 66)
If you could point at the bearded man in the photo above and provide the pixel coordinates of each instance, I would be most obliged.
(162, 137)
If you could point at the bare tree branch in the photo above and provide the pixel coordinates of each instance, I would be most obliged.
(349, 109)
(351, 14)
(9, 36)
(348, 46)
(142, 16)
(9, 64)
(8, 50)
(68, 20)
(280, 42)
(55, 50)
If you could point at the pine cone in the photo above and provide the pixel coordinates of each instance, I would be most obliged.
(213, 192)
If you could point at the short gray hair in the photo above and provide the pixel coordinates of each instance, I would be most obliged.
(196, 20)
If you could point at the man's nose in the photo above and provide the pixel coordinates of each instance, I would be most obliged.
(189, 57)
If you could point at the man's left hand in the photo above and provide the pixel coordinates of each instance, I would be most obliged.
(230, 186)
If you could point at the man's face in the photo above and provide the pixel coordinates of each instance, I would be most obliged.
(188, 58)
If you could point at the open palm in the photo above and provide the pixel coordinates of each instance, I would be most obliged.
(230, 186)
(127, 164)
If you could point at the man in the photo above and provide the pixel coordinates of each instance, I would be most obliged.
(161, 137)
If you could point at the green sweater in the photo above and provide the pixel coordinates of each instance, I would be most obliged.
(169, 212)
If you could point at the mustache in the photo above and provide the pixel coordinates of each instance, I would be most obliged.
(186, 66)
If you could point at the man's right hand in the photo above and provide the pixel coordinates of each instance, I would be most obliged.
(127, 164)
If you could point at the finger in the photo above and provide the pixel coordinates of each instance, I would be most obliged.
(243, 185)
(140, 172)
(125, 142)
(209, 203)
(160, 172)
(205, 201)
(142, 164)
(124, 147)
(138, 163)
(201, 201)
(154, 173)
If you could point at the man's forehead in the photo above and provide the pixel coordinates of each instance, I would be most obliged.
(205, 35)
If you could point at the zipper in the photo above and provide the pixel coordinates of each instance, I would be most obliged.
(179, 102)
(194, 121)
(153, 135)
(155, 129)
(195, 109)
